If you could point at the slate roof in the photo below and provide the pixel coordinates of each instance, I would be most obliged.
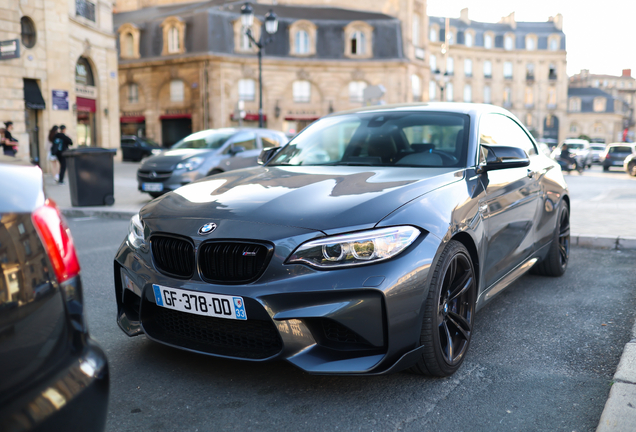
(587, 96)
(209, 29)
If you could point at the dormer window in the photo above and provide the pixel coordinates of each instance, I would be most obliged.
(509, 43)
(128, 45)
(531, 42)
(554, 42)
(358, 40)
(600, 104)
(468, 39)
(488, 41)
(433, 33)
(302, 36)
(128, 41)
(575, 104)
(242, 43)
(173, 36)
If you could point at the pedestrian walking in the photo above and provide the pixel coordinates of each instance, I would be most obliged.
(52, 157)
(61, 143)
(9, 143)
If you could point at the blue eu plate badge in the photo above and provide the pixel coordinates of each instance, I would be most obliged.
(158, 298)
(239, 308)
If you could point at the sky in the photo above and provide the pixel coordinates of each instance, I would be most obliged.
(600, 35)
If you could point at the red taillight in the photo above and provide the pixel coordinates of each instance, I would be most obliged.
(57, 240)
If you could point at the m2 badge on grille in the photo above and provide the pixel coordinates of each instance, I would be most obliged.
(198, 303)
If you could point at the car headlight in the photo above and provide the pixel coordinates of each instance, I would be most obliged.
(136, 233)
(356, 248)
(191, 164)
(156, 151)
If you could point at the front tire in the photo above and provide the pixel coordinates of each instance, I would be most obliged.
(631, 169)
(448, 313)
(556, 262)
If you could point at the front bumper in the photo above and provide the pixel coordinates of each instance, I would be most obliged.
(360, 320)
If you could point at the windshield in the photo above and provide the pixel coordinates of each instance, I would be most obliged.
(208, 139)
(622, 149)
(416, 139)
(597, 147)
(575, 146)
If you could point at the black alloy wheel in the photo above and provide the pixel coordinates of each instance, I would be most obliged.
(556, 262)
(448, 313)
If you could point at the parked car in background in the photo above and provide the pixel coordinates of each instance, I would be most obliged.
(597, 151)
(53, 376)
(205, 153)
(134, 148)
(580, 148)
(615, 154)
(362, 247)
(544, 148)
(629, 165)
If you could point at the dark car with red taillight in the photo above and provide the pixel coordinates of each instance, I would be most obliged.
(53, 376)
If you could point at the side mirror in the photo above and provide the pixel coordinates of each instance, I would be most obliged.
(236, 149)
(266, 155)
(502, 157)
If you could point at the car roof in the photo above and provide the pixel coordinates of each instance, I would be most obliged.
(621, 145)
(452, 107)
(575, 141)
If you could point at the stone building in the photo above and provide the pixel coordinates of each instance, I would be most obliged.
(520, 66)
(58, 66)
(185, 67)
(596, 114)
(621, 87)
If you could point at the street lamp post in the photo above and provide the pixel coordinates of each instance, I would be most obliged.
(271, 26)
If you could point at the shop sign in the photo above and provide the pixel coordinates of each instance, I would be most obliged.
(132, 113)
(9, 49)
(60, 100)
(177, 111)
(86, 91)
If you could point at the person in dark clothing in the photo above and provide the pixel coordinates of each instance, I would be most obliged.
(63, 142)
(9, 143)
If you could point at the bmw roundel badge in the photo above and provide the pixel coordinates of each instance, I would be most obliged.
(207, 228)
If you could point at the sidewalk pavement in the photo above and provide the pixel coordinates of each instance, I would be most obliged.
(620, 409)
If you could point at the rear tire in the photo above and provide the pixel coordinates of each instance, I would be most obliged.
(605, 168)
(556, 262)
(449, 312)
(631, 169)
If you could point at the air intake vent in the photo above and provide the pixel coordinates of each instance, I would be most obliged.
(173, 256)
(232, 262)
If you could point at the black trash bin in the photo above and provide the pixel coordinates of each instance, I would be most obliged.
(90, 176)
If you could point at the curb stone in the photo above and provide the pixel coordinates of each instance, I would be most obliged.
(603, 242)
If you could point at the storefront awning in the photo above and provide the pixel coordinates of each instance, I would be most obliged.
(301, 118)
(249, 117)
(86, 105)
(32, 96)
(132, 119)
(175, 116)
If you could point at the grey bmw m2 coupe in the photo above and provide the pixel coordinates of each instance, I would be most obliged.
(363, 246)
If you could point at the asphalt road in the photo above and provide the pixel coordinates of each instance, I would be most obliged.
(542, 359)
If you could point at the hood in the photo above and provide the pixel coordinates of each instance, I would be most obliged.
(169, 159)
(315, 198)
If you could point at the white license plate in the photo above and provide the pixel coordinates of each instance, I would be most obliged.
(617, 163)
(152, 187)
(199, 303)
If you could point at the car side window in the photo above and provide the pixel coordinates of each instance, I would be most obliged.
(270, 141)
(246, 140)
(497, 129)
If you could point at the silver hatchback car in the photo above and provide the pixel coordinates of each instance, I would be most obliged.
(202, 154)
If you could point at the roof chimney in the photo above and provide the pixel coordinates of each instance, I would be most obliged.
(463, 15)
(557, 20)
(627, 73)
(510, 20)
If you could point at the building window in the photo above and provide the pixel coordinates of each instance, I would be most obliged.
(552, 100)
(529, 120)
(507, 97)
(432, 90)
(173, 40)
(301, 91)
(450, 66)
(600, 104)
(507, 70)
(27, 32)
(358, 43)
(85, 9)
(246, 89)
(487, 95)
(133, 93)
(508, 43)
(528, 98)
(487, 69)
(468, 39)
(177, 91)
(356, 91)
(554, 43)
(530, 71)
(552, 72)
(449, 92)
(246, 42)
(468, 93)
(302, 42)
(432, 37)
(417, 37)
(530, 43)
(488, 41)
(451, 37)
(416, 88)
(574, 128)
(468, 67)
(129, 45)
(575, 105)
(432, 60)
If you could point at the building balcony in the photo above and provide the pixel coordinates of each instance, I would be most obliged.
(552, 76)
(529, 77)
(489, 76)
(552, 106)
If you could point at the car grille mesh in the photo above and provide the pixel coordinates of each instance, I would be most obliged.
(232, 262)
(151, 176)
(336, 332)
(173, 256)
(251, 339)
